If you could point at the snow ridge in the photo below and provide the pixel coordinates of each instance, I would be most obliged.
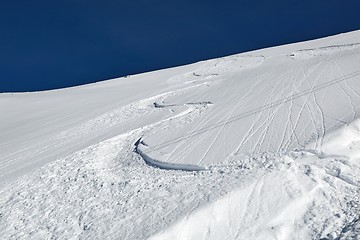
(163, 165)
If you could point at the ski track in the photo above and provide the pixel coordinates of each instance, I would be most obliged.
(269, 106)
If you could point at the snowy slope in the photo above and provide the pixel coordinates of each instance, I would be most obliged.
(269, 141)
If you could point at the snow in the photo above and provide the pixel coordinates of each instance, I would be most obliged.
(258, 145)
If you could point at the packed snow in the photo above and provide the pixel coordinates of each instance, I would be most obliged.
(258, 145)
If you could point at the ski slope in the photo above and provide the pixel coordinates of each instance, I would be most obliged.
(258, 145)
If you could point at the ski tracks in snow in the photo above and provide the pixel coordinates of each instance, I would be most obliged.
(115, 189)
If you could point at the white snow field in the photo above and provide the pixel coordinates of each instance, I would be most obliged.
(258, 145)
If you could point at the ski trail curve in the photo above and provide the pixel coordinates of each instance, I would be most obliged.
(163, 165)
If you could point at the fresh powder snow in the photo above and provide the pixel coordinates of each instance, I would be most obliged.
(258, 145)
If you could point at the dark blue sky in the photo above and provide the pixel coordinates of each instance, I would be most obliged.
(59, 43)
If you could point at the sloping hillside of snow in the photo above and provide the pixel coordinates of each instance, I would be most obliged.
(258, 145)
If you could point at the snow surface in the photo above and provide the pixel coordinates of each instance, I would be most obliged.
(259, 145)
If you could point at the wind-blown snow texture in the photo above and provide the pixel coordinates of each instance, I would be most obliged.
(259, 145)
